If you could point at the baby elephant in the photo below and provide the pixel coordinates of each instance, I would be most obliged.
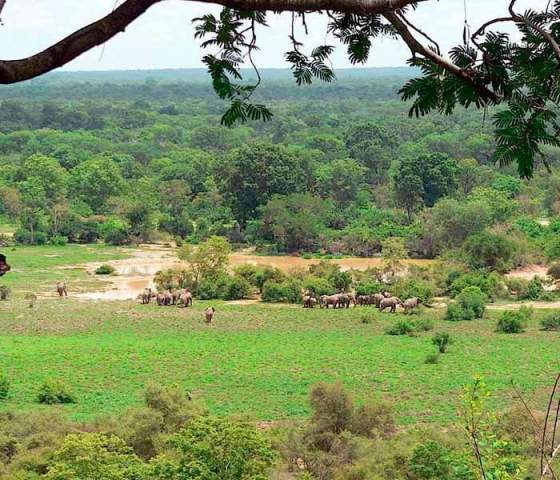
(391, 303)
(61, 289)
(309, 301)
(411, 303)
(209, 314)
(146, 296)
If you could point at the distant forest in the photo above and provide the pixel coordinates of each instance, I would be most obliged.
(127, 157)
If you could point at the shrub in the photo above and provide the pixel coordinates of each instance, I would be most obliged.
(105, 270)
(473, 299)
(318, 286)
(366, 319)
(432, 358)
(552, 247)
(115, 232)
(369, 288)
(534, 289)
(4, 292)
(372, 419)
(456, 313)
(424, 325)
(490, 250)
(54, 391)
(442, 340)
(513, 321)
(414, 288)
(237, 288)
(551, 322)
(214, 286)
(4, 386)
(402, 327)
(491, 284)
(59, 240)
(288, 291)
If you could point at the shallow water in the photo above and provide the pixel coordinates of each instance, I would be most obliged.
(136, 273)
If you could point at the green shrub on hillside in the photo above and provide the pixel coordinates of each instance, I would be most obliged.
(551, 322)
(105, 270)
(442, 340)
(473, 299)
(236, 289)
(53, 392)
(513, 321)
(288, 291)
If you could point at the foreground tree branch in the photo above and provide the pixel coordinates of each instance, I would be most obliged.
(99, 32)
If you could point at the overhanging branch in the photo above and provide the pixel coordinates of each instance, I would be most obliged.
(99, 32)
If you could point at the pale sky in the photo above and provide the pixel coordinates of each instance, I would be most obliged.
(163, 37)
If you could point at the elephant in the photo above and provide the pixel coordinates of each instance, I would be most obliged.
(61, 289)
(186, 299)
(411, 303)
(344, 300)
(327, 300)
(209, 314)
(391, 303)
(176, 296)
(146, 296)
(362, 300)
(160, 299)
(4, 267)
(168, 298)
(309, 301)
(377, 298)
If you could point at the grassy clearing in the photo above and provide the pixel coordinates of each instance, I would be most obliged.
(257, 360)
(38, 269)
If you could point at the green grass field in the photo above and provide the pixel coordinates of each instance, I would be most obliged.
(258, 360)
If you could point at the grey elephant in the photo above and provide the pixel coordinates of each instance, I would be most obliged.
(168, 298)
(160, 299)
(344, 300)
(186, 299)
(411, 303)
(377, 298)
(146, 296)
(327, 300)
(61, 289)
(391, 303)
(176, 296)
(309, 301)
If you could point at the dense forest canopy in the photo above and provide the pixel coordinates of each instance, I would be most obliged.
(340, 169)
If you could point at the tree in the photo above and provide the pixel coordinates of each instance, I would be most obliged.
(489, 68)
(254, 173)
(372, 146)
(210, 449)
(295, 222)
(208, 259)
(340, 180)
(409, 189)
(435, 171)
(95, 180)
(92, 456)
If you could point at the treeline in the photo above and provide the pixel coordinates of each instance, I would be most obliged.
(138, 162)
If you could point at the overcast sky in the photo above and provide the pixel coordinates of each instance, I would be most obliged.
(163, 37)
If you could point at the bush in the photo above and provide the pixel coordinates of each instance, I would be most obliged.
(115, 232)
(369, 288)
(53, 392)
(490, 250)
(551, 323)
(534, 289)
(414, 288)
(288, 291)
(366, 319)
(513, 321)
(105, 270)
(442, 340)
(4, 386)
(317, 286)
(432, 358)
(473, 299)
(24, 237)
(402, 327)
(4, 292)
(424, 325)
(457, 313)
(213, 286)
(237, 288)
(491, 284)
(59, 240)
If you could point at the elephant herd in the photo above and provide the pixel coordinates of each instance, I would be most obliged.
(383, 301)
(167, 298)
